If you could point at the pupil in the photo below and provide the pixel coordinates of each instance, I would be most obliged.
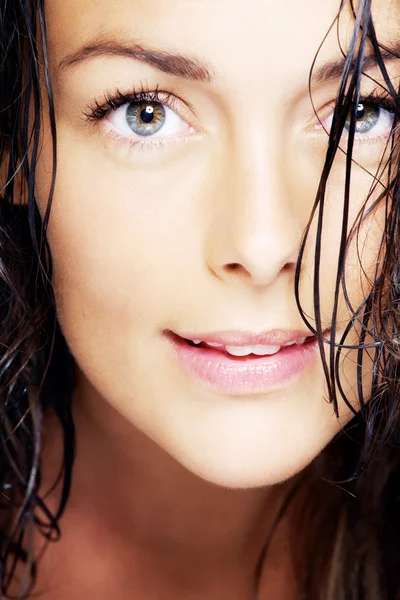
(147, 115)
(146, 118)
(360, 111)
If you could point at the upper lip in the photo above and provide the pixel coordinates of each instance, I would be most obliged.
(272, 337)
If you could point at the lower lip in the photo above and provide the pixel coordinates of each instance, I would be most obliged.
(221, 372)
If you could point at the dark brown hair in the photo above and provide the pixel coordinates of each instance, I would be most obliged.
(350, 518)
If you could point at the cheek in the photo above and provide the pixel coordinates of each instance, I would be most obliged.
(361, 258)
(120, 241)
(365, 230)
(361, 252)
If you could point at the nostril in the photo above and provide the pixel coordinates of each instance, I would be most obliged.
(233, 266)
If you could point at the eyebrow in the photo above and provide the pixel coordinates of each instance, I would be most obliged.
(334, 69)
(172, 63)
(194, 69)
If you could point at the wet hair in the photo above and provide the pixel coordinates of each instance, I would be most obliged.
(350, 517)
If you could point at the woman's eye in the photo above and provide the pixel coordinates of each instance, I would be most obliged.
(371, 116)
(145, 119)
(372, 120)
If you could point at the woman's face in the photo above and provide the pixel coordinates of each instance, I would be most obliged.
(182, 210)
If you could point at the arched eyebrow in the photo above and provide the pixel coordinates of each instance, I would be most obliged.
(174, 64)
(334, 69)
(194, 69)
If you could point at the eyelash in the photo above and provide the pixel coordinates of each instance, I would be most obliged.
(383, 101)
(99, 111)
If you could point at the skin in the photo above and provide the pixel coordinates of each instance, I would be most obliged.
(172, 479)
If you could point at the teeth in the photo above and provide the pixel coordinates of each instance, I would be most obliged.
(258, 350)
(211, 344)
(298, 342)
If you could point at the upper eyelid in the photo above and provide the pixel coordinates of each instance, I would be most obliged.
(101, 108)
(171, 100)
(319, 114)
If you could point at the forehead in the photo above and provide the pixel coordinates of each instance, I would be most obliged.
(239, 39)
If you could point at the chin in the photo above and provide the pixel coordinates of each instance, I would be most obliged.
(243, 470)
(244, 444)
(241, 478)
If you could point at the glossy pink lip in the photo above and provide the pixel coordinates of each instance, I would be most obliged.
(218, 371)
(275, 337)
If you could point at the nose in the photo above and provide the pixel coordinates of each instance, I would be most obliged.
(254, 235)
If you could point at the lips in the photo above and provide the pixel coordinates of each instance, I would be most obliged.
(216, 369)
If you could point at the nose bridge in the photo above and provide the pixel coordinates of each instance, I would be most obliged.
(258, 232)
